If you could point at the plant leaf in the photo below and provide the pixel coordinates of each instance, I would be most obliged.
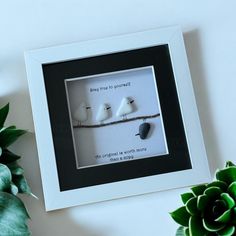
(212, 226)
(11, 127)
(180, 231)
(3, 114)
(191, 206)
(228, 200)
(8, 157)
(15, 169)
(229, 163)
(228, 175)
(227, 231)
(9, 136)
(222, 185)
(13, 215)
(186, 231)
(232, 190)
(5, 177)
(225, 217)
(233, 216)
(181, 216)
(186, 196)
(199, 189)
(195, 227)
(14, 189)
(202, 202)
(21, 183)
(213, 192)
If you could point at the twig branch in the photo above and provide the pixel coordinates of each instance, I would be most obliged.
(117, 122)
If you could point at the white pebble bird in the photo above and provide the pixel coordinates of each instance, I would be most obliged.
(103, 113)
(126, 107)
(81, 113)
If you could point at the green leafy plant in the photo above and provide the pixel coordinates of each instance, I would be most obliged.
(13, 214)
(209, 209)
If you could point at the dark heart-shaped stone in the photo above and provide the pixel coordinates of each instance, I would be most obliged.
(144, 129)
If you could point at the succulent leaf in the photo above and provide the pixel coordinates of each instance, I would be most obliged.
(181, 216)
(195, 226)
(229, 163)
(202, 202)
(186, 196)
(233, 216)
(225, 217)
(191, 206)
(3, 114)
(228, 175)
(222, 185)
(218, 207)
(199, 189)
(5, 177)
(212, 226)
(227, 231)
(228, 200)
(213, 192)
(232, 190)
(186, 232)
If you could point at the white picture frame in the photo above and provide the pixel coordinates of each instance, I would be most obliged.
(55, 195)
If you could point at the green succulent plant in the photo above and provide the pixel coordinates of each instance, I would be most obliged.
(209, 209)
(13, 214)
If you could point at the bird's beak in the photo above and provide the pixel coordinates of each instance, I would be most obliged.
(131, 101)
(137, 134)
(108, 108)
(88, 107)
